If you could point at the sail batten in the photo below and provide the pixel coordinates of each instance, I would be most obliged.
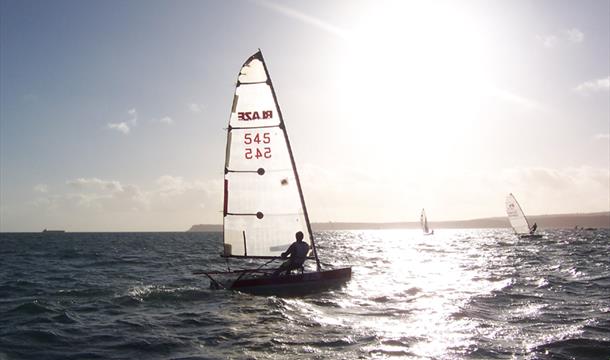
(264, 199)
(254, 127)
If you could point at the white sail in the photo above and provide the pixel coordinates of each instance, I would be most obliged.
(424, 221)
(516, 216)
(263, 203)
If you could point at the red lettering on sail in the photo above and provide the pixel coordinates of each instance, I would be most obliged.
(254, 115)
(256, 139)
(257, 153)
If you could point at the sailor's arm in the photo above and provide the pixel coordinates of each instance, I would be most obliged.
(289, 251)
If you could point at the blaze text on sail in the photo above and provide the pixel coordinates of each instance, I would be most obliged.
(254, 115)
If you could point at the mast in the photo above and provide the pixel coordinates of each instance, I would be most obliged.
(294, 168)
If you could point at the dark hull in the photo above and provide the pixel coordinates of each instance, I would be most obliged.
(530, 236)
(293, 285)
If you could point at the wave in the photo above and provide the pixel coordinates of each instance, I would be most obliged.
(582, 349)
(342, 342)
(37, 336)
(65, 318)
(161, 293)
(32, 308)
(84, 355)
(386, 352)
(92, 292)
(153, 346)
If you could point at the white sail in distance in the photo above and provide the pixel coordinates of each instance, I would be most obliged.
(263, 202)
(516, 216)
(424, 221)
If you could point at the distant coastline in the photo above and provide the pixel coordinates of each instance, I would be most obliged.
(559, 221)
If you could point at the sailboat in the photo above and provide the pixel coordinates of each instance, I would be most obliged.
(517, 219)
(424, 223)
(264, 206)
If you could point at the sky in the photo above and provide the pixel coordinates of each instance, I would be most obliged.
(113, 113)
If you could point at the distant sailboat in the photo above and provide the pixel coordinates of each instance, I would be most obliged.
(264, 205)
(517, 219)
(424, 223)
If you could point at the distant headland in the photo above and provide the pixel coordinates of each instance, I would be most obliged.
(565, 221)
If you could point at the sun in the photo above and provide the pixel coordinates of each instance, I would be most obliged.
(414, 72)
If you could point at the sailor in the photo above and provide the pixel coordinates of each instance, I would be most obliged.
(533, 229)
(298, 254)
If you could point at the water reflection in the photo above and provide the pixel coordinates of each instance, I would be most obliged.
(454, 295)
(407, 288)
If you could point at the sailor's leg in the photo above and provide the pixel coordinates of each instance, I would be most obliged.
(288, 268)
(293, 265)
(282, 267)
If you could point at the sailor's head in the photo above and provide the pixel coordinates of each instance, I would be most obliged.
(299, 236)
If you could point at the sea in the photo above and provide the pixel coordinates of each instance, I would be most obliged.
(457, 294)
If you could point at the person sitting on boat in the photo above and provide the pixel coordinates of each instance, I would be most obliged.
(533, 229)
(298, 251)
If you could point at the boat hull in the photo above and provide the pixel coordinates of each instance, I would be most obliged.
(530, 236)
(293, 285)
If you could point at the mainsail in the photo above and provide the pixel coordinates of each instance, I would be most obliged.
(263, 201)
(516, 216)
(424, 221)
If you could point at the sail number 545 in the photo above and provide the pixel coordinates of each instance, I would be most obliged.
(257, 139)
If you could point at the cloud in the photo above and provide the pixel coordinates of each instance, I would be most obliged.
(549, 41)
(125, 126)
(519, 100)
(573, 36)
(41, 188)
(548, 188)
(308, 19)
(86, 195)
(166, 120)
(354, 195)
(98, 195)
(166, 185)
(172, 202)
(134, 117)
(171, 185)
(593, 86)
(169, 196)
(176, 185)
(120, 127)
(196, 108)
(95, 183)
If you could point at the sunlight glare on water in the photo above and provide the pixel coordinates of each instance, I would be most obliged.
(407, 287)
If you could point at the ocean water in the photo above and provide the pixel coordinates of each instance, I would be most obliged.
(459, 294)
